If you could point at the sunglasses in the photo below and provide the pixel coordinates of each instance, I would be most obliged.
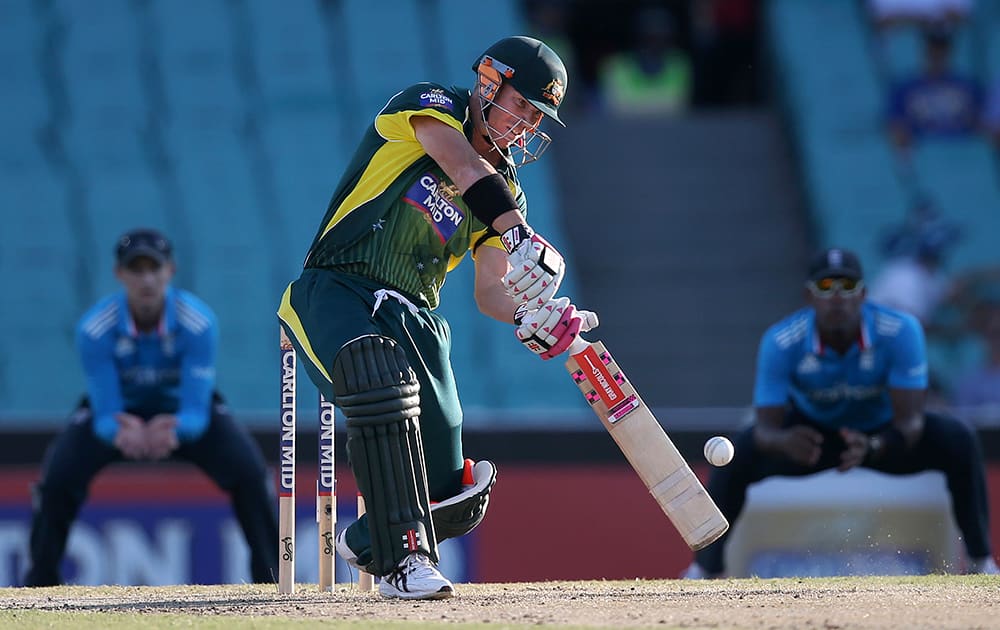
(826, 287)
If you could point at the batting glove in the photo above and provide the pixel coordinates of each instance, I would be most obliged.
(549, 330)
(536, 268)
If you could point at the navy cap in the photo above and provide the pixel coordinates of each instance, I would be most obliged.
(143, 242)
(835, 263)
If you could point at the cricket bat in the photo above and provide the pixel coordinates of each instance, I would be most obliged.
(644, 443)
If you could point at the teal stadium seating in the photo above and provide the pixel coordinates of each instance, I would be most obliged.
(103, 136)
(902, 50)
(38, 245)
(830, 79)
(834, 102)
(986, 29)
(227, 126)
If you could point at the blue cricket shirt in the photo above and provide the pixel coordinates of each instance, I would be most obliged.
(841, 390)
(171, 370)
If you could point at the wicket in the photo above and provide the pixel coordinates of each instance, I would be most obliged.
(326, 494)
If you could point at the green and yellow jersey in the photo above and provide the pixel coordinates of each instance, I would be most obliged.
(395, 217)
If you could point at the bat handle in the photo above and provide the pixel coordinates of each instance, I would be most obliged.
(579, 345)
(590, 322)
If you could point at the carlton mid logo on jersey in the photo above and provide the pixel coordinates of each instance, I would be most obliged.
(436, 98)
(433, 197)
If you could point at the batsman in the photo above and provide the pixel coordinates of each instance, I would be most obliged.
(434, 178)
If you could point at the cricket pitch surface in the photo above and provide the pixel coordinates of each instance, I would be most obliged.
(932, 602)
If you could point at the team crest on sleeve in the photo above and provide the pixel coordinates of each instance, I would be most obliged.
(436, 97)
(433, 197)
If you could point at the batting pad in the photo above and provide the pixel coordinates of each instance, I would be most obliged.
(379, 396)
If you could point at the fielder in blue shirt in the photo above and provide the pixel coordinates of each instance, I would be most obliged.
(841, 383)
(148, 353)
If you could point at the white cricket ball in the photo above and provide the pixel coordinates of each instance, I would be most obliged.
(719, 451)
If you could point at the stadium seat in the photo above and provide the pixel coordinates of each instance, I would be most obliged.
(227, 125)
(960, 177)
(902, 51)
(197, 55)
(291, 56)
(464, 44)
(386, 48)
(40, 271)
(102, 62)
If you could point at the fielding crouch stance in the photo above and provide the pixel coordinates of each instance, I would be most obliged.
(840, 384)
(148, 354)
(434, 177)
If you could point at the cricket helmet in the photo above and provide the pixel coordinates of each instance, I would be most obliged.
(531, 67)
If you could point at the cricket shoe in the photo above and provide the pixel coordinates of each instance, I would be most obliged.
(983, 566)
(416, 577)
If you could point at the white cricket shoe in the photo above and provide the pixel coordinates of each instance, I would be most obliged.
(984, 566)
(416, 577)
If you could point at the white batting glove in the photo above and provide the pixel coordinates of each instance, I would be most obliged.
(536, 268)
(549, 330)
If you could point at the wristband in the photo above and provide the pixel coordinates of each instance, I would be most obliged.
(887, 443)
(489, 197)
(513, 237)
(520, 312)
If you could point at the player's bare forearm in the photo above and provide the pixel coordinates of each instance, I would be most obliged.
(799, 443)
(908, 413)
(453, 153)
(498, 306)
(492, 300)
(767, 428)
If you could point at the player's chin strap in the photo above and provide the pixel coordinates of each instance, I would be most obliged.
(460, 514)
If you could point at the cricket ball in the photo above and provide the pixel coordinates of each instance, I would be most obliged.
(719, 451)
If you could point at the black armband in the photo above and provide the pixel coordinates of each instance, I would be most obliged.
(489, 197)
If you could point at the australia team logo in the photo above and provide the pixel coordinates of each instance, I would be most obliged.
(553, 92)
(433, 197)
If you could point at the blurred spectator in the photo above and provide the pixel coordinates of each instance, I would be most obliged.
(991, 114)
(977, 392)
(937, 103)
(653, 76)
(914, 279)
(725, 51)
(549, 21)
(887, 13)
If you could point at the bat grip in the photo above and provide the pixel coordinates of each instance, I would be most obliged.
(590, 322)
(579, 345)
